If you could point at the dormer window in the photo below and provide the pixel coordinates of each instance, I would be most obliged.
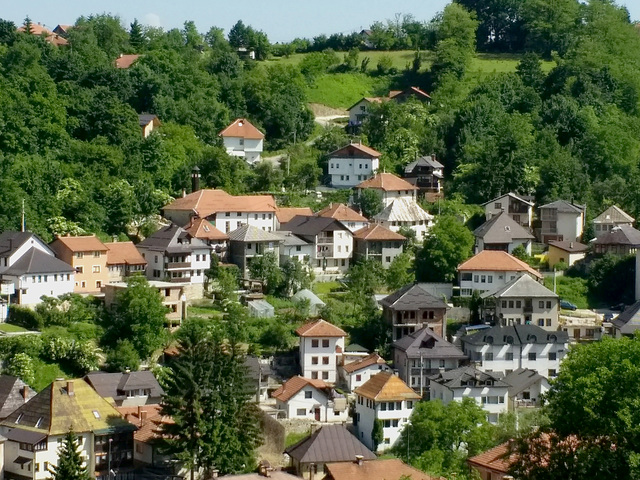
(19, 418)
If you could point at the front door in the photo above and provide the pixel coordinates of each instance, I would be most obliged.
(317, 413)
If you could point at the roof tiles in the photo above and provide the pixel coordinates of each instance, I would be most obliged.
(385, 386)
(320, 328)
(242, 128)
(294, 385)
(496, 261)
(387, 182)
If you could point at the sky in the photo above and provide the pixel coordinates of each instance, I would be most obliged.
(281, 20)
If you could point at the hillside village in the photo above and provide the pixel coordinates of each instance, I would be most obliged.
(203, 275)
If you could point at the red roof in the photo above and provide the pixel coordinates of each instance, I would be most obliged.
(372, 359)
(125, 61)
(320, 328)
(354, 148)
(36, 29)
(204, 230)
(497, 261)
(284, 214)
(497, 459)
(387, 182)
(377, 232)
(123, 253)
(341, 212)
(209, 201)
(242, 128)
(148, 419)
(294, 385)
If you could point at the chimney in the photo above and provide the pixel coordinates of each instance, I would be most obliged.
(143, 415)
(70, 391)
(25, 393)
(214, 473)
(571, 245)
(184, 192)
(195, 179)
(359, 459)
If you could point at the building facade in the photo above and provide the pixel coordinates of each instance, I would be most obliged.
(321, 347)
(352, 164)
(242, 139)
(88, 256)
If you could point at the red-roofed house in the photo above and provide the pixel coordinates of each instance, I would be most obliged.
(378, 243)
(124, 259)
(125, 61)
(345, 215)
(321, 344)
(147, 439)
(493, 464)
(202, 229)
(242, 139)
(304, 398)
(357, 373)
(352, 164)
(391, 187)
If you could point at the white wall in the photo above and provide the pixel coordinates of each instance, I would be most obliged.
(35, 286)
(367, 411)
(347, 172)
(492, 281)
(490, 210)
(359, 111)
(496, 398)
(390, 196)
(33, 242)
(299, 401)
(420, 228)
(569, 226)
(360, 377)
(511, 357)
(327, 372)
(230, 221)
(250, 149)
(511, 310)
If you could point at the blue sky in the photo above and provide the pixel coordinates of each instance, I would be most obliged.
(282, 20)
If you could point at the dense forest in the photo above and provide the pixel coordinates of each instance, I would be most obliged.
(71, 148)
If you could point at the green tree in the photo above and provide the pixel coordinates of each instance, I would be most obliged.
(400, 272)
(449, 244)
(369, 202)
(123, 357)
(377, 434)
(70, 461)
(137, 38)
(295, 276)
(21, 365)
(267, 270)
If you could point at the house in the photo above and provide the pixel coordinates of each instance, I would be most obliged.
(522, 301)
(494, 464)
(225, 212)
(504, 349)
(347, 216)
(328, 444)
(378, 243)
(426, 173)
(284, 214)
(13, 394)
(123, 260)
(612, 217)
(357, 373)
(525, 388)
(361, 109)
(562, 220)
(35, 431)
(350, 165)
(491, 269)
(148, 123)
(565, 252)
(204, 230)
(261, 377)
(401, 96)
(293, 247)
(308, 399)
(407, 215)
(387, 398)
(174, 255)
(29, 269)
(126, 60)
(88, 256)
(582, 328)
(321, 347)
(413, 307)
(424, 353)
(489, 391)
(501, 232)
(390, 187)
(354, 353)
(627, 323)
(51, 37)
(62, 30)
(130, 389)
(622, 240)
(387, 469)
(332, 241)
(517, 208)
(314, 302)
(265, 471)
(242, 139)
(249, 242)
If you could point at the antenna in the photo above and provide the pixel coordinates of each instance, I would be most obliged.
(22, 225)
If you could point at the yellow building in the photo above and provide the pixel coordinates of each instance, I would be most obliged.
(88, 256)
(567, 252)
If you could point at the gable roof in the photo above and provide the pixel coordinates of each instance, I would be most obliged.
(85, 243)
(522, 287)
(402, 210)
(619, 235)
(382, 468)
(427, 344)
(629, 320)
(115, 385)
(614, 214)
(145, 119)
(356, 150)
(123, 253)
(497, 261)
(567, 246)
(36, 261)
(249, 233)
(564, 207)
(242, 128)
(320, 328)
(148, 419)
(413, 91)
(458, 377)
(412, 297)
(515, 335)
(385, 386)
(295, 384)
(306, 294)
(36, 29)
(10, 241)
(372, 359)
(387, 182)
(512, 195)
(521, 379)
(284, 214)
(13, 394)
(125, 61)
(204, 230)
(311, 226)
(424, 161)
(369, 99)
(172, 239)
(501, 228)
(330, 443)
(341, 212)
(376, 232)
(208, 202)
(496, 459)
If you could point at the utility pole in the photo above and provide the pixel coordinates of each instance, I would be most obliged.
(421, 377)
(22, 222)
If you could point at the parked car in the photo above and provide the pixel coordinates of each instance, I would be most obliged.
(565, 305)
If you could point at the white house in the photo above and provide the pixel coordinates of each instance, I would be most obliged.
(321, 346)
(378, 243)
(360, 110)
(308, 399)
(350, 165)
(506, 349)
(501, 232)
(387, 398)
(347, 216)
(562, 220)
(31, 267)
(242, 139)
(294, 247)
(487, 390)
(519, 209)
(390, 187)
(526, 388)
(357, 373)
(402, 213)
(491, 269)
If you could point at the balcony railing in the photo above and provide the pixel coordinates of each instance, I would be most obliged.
(176, 265)
(180, 279)
(526, 403)
(325, 240)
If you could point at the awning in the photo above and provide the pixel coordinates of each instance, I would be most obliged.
(22, 460)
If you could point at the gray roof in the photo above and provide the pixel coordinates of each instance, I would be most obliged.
(522, 287)
(614, 214)
(628, 321)
(501, 228)
(412, 297)
(401, 210)
(426, 343)
(330, 443)
(354, 347)
(115, 385)
(25, 436)
(564, 207)
(256, 369)
(619, 235)
(274, 475)
(512, 195)
(459, 378)
(521, 379)
(312, 226)
(12, 394)
(306, 294)
(36, 261)
(145, 118)
(288, 239)
(10, 241)
(515, 335)
(567, 246)
(173, 239)
(249, 233)
(425, 161)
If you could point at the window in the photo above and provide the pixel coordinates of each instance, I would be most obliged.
(392, 405)
(489, 278)
(532, 356)
(395, 422)
(96, 254)
(301, 412)
(518, 303)
(79, 255)
(314, 343)
(325, 375)
(358, 378)
(510, 303)
(383, 406)
(83, 284)
(476, 278)
(325, 343)
(504, 304)
(409, 404)
(98, 284)
(549, 304)
(308, 394)
(541, 304)
(548, 322)
(553, 356)
(552, 373)
(325, 360)
(488, 356)
(509, 356)
(497, 205)
(95, 269)
(314, 375)
(541, 322)
(483, 279)
(79, 270)
(314, 360)
(96, 414)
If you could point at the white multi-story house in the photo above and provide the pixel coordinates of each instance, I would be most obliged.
(488, 391)
(501, 232)
(30, 269)
(243, 139)
(522, 301)
(347, 216)
(401, 213)
(378, 243)
(526, 388)
(562, 220)
(519, 209)
(387, 398)
(308, 399)
(504, 349)
(350, 165)
(321, 347)
(390, 187)
(294, 247)
(355, 374)
(491, 269)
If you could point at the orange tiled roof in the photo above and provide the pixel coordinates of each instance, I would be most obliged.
(36, 29)
(204, 230)
(385, 386)
(149, 428)
(387, 182)
(123, 253)
(367, 151)
(496, 459)
(376, 231)
(125, 61)
(87, 243)
(210, 201)
(387, 469)
(284, 214)
(497, 261)
(320, 328)
(294, 385)
(373, 359)
(242, 128)
(341, 212)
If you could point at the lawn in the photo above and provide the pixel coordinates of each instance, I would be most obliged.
(324, 289)
(572, 289)
(9, 328)
(294, 437)
(341, 90)
(45, 373)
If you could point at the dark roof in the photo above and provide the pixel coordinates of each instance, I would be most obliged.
(501, 228)
(563, 206)
(115, 385)
(629, 320)
(256, 369)
(25, 436)
(36, 261)
(512, 195)
(10, 241)
(304, 225)
(428, 344)
(567, 246)
(12, 394)
(330, 443)
(172, 239)
(521, 379)
(425, 161)
(458, 377)
(412, 297)
(515, 335)
(619, 235)
(146, 118)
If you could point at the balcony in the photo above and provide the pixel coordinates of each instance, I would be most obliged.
(325, 240)
(180, 279)
(177, 265)
(527, 308)
(528, 403)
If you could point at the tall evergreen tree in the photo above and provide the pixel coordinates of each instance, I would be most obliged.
(136, 35)
(69, 460)
(28, 25)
